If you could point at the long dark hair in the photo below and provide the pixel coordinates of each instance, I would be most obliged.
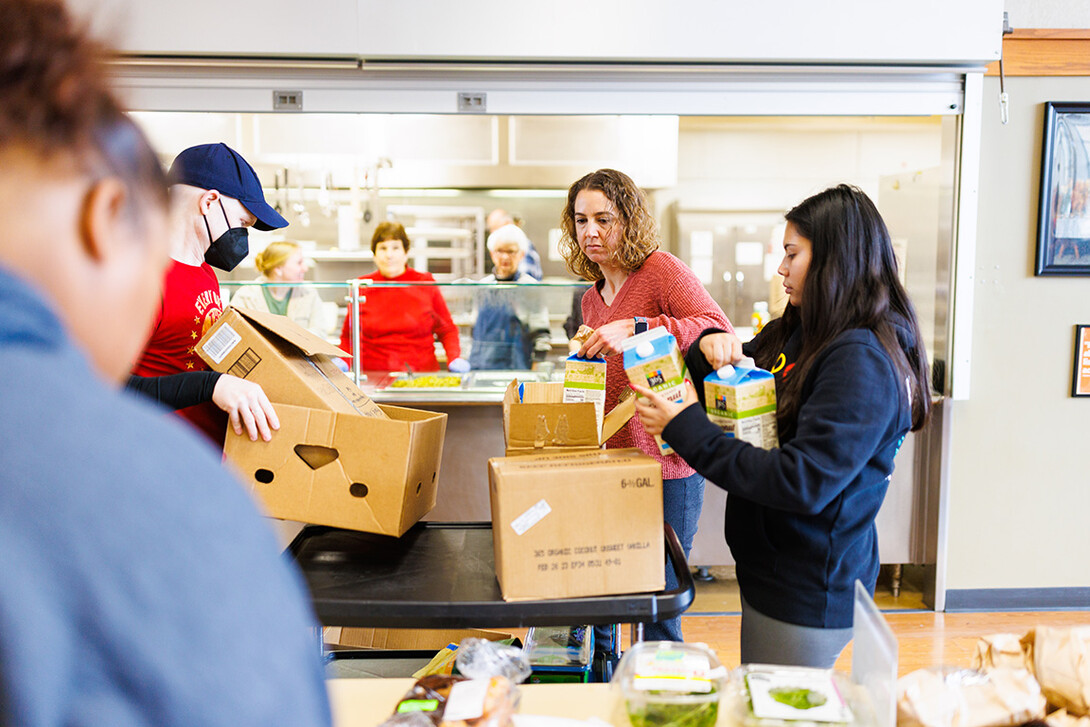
(851, 283)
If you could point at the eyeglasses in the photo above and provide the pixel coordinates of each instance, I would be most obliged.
(508, 252)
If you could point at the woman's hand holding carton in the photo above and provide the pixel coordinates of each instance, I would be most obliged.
(721, 349)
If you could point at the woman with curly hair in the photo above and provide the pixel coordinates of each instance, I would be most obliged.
(611, 239)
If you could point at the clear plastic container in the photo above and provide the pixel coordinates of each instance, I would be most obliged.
(670, 684)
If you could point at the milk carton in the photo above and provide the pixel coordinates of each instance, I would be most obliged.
(652, 359)
(741, 399)
(585, 380)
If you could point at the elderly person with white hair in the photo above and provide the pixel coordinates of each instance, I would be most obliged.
(512, 325)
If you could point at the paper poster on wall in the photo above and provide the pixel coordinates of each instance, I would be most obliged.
(702, 266)
(700, 243)
(555, 235)
(1080, 379)
(749, 253)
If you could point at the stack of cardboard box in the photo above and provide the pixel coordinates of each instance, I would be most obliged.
(339, 458)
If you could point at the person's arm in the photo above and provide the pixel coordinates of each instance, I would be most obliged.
(176, 391)
(245, 402)
(444, 326)
(848, 412)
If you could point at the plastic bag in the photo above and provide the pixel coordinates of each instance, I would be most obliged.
(486, 696)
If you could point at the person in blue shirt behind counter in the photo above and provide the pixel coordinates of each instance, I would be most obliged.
(139, 585)
(851, 381)
(511, 325)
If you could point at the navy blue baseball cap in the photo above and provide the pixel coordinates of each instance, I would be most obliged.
(219, 167)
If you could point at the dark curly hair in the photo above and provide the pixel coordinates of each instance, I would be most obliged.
(639, 239)
(56, 102)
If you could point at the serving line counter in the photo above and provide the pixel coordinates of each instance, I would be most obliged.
(474, 433)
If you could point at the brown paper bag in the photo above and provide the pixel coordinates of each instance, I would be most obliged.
(1000, 651)
(1061, 662)
(1061, 718)
(947, 697)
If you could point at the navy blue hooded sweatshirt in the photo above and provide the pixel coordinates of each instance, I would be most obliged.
(800, 518)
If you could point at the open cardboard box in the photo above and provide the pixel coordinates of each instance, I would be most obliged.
(540, 422)
(339, 459)
(577, 523)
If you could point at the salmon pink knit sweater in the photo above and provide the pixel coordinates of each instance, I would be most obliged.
(667, 293)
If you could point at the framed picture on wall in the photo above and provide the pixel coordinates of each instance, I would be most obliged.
(1080, 374)
(1063, 217)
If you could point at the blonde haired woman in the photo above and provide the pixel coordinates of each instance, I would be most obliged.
(282, 262)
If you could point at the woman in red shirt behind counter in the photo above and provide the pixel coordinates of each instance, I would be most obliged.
(398, 325)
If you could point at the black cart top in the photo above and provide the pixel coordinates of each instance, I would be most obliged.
(442, 575)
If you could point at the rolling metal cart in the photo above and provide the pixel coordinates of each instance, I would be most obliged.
(442, 575)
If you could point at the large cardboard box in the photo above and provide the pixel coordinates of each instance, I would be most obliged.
(377, 475)
(339, 459)
(430, 639)
(293, 365)
(539, 421)
(574, 524)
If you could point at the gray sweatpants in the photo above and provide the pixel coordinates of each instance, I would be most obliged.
(768, 641)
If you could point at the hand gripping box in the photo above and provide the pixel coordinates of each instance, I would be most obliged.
(537, 420)
(339, 458)
(575, 524)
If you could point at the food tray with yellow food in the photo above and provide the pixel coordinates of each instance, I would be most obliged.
(427, 381)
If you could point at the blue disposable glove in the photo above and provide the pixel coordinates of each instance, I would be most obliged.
(341, 364)
(458, 366)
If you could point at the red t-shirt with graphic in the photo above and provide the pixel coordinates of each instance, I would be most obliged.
(189, 306)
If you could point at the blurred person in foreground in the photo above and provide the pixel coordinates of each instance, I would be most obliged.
(402, 316)
(610, 238)
(215, 196)
(140, 586)
(511, 326)
(283, 262)
(851, 381)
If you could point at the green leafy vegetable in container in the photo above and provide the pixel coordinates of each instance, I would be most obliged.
(797, 697)
(672, 714)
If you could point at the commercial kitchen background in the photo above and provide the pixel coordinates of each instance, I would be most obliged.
(1011, 465)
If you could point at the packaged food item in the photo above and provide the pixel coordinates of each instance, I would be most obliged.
(670, 684)
(585, 380)
(559, 653)
(483, 695)
(741, 400)
(794, 694)
(652, 359)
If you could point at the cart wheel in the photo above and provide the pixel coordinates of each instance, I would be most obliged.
(604, 665)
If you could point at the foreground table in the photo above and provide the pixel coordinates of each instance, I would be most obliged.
(367, 702)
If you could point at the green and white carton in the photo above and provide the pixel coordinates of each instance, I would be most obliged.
(652, 359)
(585, 380)
(741, 400)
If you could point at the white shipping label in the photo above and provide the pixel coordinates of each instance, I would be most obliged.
(531, 517)
(672, 671)
(220, 344)
(466, 700)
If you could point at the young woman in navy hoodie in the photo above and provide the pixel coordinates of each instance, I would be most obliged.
(851, 381)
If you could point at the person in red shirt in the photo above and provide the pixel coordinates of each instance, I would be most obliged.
(399, 324)
(215, 197)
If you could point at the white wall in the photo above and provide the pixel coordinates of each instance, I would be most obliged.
(1020, 476)
(1048, 13)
